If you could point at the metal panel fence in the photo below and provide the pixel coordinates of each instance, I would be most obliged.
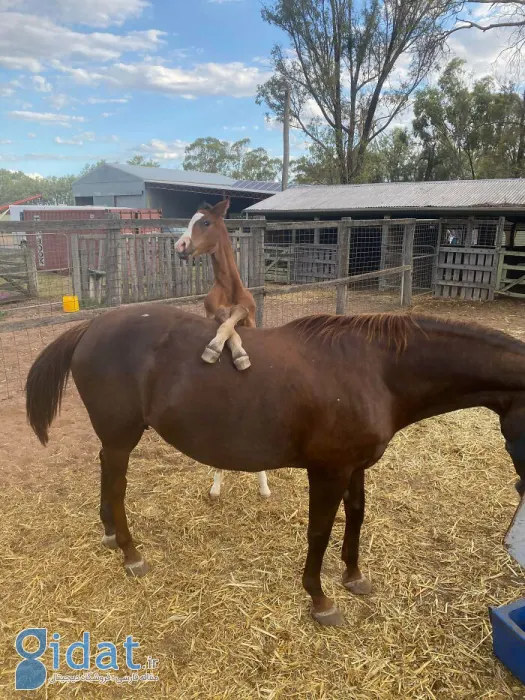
(344, 267)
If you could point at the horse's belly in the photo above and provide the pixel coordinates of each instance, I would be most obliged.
(229, 436)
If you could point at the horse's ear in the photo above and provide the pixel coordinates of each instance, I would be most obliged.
(221, 209)
(205, 207)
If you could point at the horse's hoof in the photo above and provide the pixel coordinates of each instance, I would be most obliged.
(210, 355)
(138, 568)
(265, 494)
(242, 362)
(110, 541)
(214, 495)
(329, 618)
(358, 586)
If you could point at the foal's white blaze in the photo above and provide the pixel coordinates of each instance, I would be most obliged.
(185, 239)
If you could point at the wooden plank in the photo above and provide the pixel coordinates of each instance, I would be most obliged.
(87, 225)
(245, 248)
(124, 266)
(75, 264)
(169, 267)
(141, 269)
(133, 274)
(113, 266)
(460, 283)
(468, 266)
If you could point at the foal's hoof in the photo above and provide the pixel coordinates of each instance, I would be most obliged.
(329, 618)
(242, 362)
(265, 494)
(138, 568)
(210, 355)
(110, 541)
(358, 586)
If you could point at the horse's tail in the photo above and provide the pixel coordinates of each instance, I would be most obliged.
(47, 380)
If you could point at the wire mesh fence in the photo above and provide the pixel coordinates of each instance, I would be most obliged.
(293, 269)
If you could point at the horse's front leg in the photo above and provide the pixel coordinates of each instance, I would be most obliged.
(354, 501)
(326, 493)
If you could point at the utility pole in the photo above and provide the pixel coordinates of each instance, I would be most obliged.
(286, 138)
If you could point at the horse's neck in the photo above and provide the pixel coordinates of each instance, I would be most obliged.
(225, 269)
(444, 370)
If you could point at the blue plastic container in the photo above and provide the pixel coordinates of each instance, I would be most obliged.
(508, 636)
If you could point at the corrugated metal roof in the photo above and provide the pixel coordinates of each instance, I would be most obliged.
(454, 194)
(170, 176)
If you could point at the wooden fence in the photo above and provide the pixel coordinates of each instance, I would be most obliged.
(18, 276)
(112, 268)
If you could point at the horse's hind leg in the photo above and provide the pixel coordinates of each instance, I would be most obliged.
(106, 511)
(263, 485)
(115, 466)
(215, 490)
(354, 500)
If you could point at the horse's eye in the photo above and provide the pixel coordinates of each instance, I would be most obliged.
(206, 223)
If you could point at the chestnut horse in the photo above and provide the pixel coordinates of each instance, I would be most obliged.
(207, 233)
(324, 393)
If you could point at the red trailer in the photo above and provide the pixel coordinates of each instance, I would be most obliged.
(52, 249)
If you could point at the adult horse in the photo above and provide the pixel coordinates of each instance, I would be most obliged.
(207, 234)
(325, 393)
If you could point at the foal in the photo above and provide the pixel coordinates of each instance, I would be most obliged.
(207, 233)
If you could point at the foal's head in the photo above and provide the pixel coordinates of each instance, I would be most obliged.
(203, 231)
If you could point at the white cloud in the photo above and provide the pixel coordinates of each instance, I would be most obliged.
(26, 39)
(31, 135)
(106, 115)
(78, 140)
(41, 84)
(235, 128)
(228, 79)
(104, 100)
(35, 176)
(46, 117)
(6, 90)
(95, 13)
(59, 101)
(482, 52)
(4, 142)
(164, 150)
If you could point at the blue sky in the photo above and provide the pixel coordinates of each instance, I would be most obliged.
(87, 79)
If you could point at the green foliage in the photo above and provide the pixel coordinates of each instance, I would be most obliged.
(142, 160)
(459, 131)
(237, 160)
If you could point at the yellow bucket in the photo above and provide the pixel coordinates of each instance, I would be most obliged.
(70, 304)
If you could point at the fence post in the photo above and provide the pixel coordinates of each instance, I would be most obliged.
(75, 266)
(257, 251)
(407, 259)
(32, 275)
(385, 230)
(499, 257)
(343, 262)
(113, 263)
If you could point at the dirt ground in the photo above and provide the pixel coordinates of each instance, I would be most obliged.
(223, 609)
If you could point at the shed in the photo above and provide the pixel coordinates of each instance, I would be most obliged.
(474, 221)
(178, 193)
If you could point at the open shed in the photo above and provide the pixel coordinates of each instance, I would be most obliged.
(178, 193)
(477, 237)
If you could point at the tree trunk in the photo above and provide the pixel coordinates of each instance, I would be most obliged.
(286, 139)
(520, 154)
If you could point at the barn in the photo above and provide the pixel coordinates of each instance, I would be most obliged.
(473, 230)
(178, 193)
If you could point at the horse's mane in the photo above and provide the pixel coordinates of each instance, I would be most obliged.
(397, 329)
